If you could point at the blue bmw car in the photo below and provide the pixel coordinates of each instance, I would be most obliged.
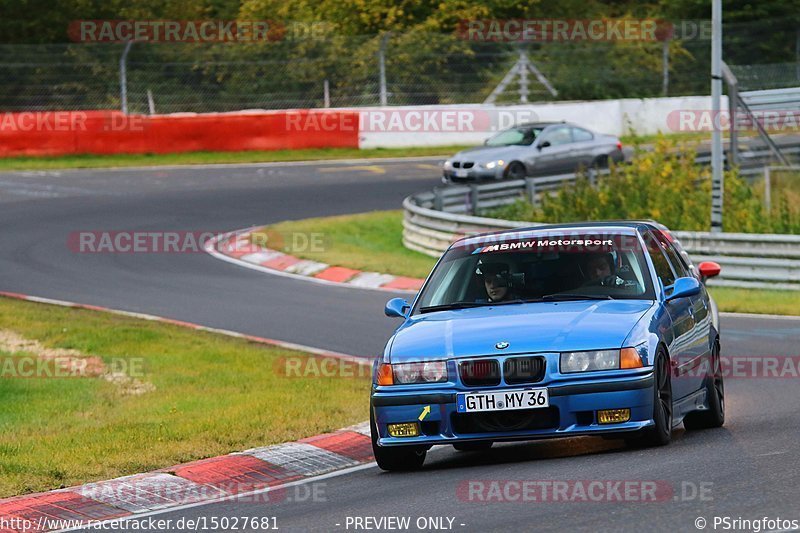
(555, 331)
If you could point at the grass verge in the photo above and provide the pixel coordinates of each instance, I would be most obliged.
(373, 241)
(368, 241)
(198, 158)
(208, 395)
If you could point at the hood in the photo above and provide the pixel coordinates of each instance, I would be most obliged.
(531, 327)
(483, 154)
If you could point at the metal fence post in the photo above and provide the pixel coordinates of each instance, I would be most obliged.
(767, 190)
(530, 190)
(123, 77)
(326, 94)
(473, 198)
(438, 200)
(665, 67)
(384, 94)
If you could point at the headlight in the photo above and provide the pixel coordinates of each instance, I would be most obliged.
(430, 372)
(492, 164)
(599, 360)
(448, 165)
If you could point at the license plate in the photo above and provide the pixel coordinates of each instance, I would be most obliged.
(461, 173)
(470, 402)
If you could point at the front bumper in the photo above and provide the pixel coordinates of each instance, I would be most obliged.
(572, 412)
(473, 174)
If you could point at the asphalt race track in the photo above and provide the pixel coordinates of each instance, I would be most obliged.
(748, 469)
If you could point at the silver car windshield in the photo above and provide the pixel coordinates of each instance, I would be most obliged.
(544, 267)
(515, 137)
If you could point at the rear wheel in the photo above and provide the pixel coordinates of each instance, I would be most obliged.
(661, 433)
(515, 171)
(475, 446)
(714, 417)
(395, 458)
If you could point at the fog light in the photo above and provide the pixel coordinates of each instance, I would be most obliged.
(613, 416)
(406, 429)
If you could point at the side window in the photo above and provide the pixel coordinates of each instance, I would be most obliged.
(580, 135)
(558, 135)
(663, 270)
(677, 262)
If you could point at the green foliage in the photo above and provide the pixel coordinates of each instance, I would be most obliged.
(665, 185)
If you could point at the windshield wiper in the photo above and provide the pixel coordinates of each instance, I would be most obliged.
(465, 305)
(448, 307)
(570, 296)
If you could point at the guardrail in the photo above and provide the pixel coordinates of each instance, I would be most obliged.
(433, 220)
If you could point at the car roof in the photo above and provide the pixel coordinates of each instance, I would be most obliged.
(628, 227)
(540, 124)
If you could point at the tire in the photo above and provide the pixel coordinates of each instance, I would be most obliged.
(395, 458)
(475, 446)
(600, 162)
(515, 171)
(714, 417)
(661, 433)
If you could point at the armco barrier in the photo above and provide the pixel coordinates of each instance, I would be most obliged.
(748, 260)
(111, 132)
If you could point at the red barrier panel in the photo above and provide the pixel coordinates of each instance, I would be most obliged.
(111, 132)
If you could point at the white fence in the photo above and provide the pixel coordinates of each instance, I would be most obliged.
(614, 117)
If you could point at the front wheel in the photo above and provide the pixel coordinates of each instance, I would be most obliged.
(395, 458)
(661, 433)
(714, 417)
(515, 171)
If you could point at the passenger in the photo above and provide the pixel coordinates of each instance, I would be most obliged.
(496, 279)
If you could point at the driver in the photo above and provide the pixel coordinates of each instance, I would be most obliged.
(496, 279)
(598, 269)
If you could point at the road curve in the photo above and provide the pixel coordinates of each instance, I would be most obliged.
(748, 469)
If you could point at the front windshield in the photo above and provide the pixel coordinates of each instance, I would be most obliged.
(541, 267)
(515, 136)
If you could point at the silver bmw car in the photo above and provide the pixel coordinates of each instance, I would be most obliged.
(536, 149)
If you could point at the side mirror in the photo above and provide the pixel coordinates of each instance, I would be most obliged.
(543, 144)
(396, 307)
(684, 287)
(709, 269)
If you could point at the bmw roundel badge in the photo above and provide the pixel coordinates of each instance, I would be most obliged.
(502, 345)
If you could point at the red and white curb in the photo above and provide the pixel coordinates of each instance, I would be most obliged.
(258, 473)
(236, 247)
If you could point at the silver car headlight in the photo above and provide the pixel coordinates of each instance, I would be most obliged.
(493, 164)
(448, 165)
(599, 360)
(430, 372)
